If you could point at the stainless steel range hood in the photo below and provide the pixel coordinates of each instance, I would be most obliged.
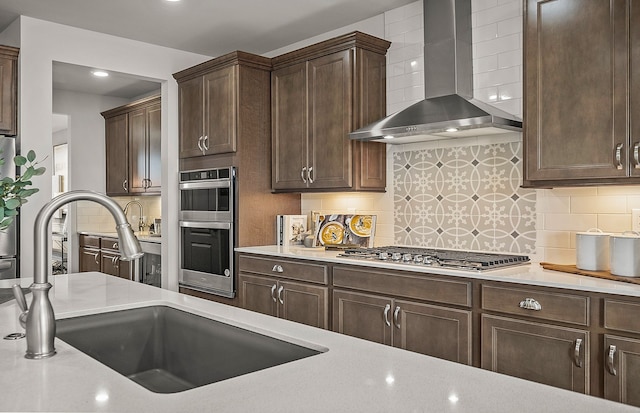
(449, 111)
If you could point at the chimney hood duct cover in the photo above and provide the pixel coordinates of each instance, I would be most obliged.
(448, 110)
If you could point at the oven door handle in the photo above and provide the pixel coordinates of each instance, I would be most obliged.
(205, 184)
(204, 224)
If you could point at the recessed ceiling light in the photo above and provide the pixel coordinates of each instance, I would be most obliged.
(100, 73)
(173, 0)
(451, 130)
(388, 137)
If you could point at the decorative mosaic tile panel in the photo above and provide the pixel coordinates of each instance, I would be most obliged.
(464, 198)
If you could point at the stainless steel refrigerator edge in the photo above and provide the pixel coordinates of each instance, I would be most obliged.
(9, 237)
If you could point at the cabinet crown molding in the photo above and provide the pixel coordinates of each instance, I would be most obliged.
(344, 42)
(131, 106)
(230, 59)
(9, 52)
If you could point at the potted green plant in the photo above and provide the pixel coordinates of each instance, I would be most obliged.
(14, 192)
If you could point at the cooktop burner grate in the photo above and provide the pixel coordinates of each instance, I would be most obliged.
(458, 259)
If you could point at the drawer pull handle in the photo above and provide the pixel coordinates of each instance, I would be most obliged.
(95, 258)
(395, 317)
(576, 353)
(619, 156)
(636, 155)
(273, 290)
(530, 304)
(115, 246)
(612, 353)
(302, 174)
(277, 268)
(280, 294)
(386, 314)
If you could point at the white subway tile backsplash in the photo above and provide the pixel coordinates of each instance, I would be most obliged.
(487, 94)
(486, 64)
(501, 12)
(498, 77)
(509, 26)
(614, 222)
(598, 205)
(478, 5)
(554, 239)
(484, 33)
(510, 91)
(396, 55)
(510, 59)
(563, 256)
(498, 45)
(570, 222)
(513, 106)
(414, 92)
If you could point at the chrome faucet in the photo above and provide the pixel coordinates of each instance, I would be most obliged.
(140, 219)
(39, 321)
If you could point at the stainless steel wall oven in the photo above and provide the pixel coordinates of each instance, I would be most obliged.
(207, 223)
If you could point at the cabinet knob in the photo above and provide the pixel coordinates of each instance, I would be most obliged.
(610, 356)
(530, 304)
(277, 268)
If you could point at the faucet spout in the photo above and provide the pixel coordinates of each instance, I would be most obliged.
(40, 325)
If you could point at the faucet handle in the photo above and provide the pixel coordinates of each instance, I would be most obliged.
(22, 303)
(19, 295)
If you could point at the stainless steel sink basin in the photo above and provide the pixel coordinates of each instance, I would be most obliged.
(168, 350)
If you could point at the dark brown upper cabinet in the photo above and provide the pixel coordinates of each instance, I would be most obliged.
(318, 95)
(8, 90)
(212, 98)
(133, 141)
(582, 93)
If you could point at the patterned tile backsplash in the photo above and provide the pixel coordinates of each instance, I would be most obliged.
(465, 197)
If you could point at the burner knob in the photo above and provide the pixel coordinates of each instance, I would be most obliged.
(406, 257)
(417, 259)
(396, 256)
(383, 256)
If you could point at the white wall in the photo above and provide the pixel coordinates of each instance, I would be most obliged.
(43, 42)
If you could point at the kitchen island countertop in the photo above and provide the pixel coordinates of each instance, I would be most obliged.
(530, 274)
(352, 376)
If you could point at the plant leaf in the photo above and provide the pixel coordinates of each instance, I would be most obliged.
(31, 155)
(12, 203)
(39, 171)
(20, 160)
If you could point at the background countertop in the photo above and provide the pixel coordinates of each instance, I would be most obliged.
(530, 274)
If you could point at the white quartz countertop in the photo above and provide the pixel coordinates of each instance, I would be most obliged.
(142, 236)
(352, 376)
(530, 274)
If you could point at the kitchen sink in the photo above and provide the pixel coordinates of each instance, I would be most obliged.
(168, 350)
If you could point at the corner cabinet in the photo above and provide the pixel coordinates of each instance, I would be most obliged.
(318, 95)
(8, 90)
(212, 99)
(582, 101)
(133, 142)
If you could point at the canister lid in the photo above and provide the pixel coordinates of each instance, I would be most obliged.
(595, 232)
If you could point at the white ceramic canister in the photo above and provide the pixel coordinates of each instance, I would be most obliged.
(625, 254)
(592, 250)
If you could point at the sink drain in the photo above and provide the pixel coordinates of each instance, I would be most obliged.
(14, 336)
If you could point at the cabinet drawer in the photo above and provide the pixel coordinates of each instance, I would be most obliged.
(553, 306)
(402, 284)
(109, 244)
(621, 315)
(302, 271)
(89, 241)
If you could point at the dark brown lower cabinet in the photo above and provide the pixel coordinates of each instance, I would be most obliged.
(113, 265)
(548, 354)
(293, 301)
(89, 259)
(622, 369)
(423, 328)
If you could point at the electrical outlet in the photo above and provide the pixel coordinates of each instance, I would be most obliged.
(635, 219)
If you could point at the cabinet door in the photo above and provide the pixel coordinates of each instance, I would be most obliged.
(153, 159)
(306, 304)
(330, 114)
(8, 96)
(433, 330)
(557, 356)
(89, 259)
(258, 294)
(634, 88)
(576, 82)
(109, 263)
(220, 109)
(117, 153)
(137, 150)
(190, 98)
(622, 369)
(370, 105)
(289, 127)
(361, 315)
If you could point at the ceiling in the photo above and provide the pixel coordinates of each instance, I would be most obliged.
(206, 27)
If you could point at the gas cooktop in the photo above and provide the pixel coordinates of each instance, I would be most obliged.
(427, 257)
